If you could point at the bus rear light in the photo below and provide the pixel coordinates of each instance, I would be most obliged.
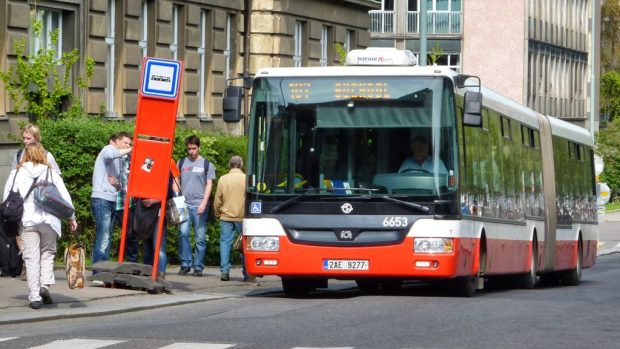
(263, 243)
(432, 245)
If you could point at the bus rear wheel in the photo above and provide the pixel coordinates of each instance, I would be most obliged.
(573, 277)
(528, 280)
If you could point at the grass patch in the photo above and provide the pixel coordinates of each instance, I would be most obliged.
(612, 206)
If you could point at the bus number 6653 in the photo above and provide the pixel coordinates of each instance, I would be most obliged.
(395, 222)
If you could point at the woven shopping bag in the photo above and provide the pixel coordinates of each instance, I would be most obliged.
(75, 265)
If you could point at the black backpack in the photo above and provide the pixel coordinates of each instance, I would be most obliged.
(13, 206)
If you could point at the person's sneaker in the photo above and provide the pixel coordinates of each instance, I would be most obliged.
(225, 277)
(35, 305)
(44, 292)
(250, 279)
(184, 271)
(197, 273)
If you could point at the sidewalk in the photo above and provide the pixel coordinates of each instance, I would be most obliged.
(97, 300)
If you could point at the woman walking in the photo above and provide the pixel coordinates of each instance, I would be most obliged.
(39, 229)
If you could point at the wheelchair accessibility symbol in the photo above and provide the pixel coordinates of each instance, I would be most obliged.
(256, 207)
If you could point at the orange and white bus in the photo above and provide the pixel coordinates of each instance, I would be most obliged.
(505, 191)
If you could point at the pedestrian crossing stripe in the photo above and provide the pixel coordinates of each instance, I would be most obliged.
(7, 339)
(198, 346)
(78, 344)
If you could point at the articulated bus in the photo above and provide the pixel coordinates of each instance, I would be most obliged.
(509, 193)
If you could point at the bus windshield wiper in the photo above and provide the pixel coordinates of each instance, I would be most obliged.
(294, 199)
(408, 204)
(369, 195)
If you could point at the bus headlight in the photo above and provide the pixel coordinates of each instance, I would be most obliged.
(432, 245)
(263, 243)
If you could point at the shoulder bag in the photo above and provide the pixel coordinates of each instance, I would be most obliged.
(176, 209)
(47, 196)
(145, 219)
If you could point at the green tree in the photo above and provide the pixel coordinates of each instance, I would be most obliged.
(434, 54)
(341, 53)
(608, 147)
(610, 96)
(42, 81)
(610, 35)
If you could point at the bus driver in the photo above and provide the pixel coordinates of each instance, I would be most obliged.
(421, 161)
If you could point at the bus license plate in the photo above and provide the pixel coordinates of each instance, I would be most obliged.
(345, 264)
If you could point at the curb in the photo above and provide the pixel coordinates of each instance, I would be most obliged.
(607, 252)
(103, 306)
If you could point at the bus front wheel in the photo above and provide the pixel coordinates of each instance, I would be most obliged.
(296, 287)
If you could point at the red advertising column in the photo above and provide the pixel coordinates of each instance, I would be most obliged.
(149, 171)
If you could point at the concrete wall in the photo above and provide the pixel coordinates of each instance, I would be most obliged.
(495, 45)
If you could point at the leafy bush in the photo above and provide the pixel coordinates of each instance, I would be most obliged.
(608, 147)
(75, 142)
(37, 82)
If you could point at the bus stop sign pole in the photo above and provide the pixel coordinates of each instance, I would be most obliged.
(149, 170)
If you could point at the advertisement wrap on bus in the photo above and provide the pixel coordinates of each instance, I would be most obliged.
(382, 171)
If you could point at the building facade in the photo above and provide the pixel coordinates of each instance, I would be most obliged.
(207, 35)
(541, 53)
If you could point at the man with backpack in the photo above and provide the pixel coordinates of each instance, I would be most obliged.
(197, 175)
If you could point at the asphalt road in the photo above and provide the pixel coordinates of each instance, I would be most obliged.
(417, 316)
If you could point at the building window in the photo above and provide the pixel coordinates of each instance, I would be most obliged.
(451, 60)
(324, 46)
(299, 36)
(227, 51)
(174, 46)
(202, 52)
(348, 40)
(51, 20)
(144, 28)
(387, 5)
(506, 132)
(109, 40)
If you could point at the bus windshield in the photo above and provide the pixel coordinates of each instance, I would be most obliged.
(346, 135)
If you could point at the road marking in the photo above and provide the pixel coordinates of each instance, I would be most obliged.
(198, 346)
(323, 347)
(7, 339)
(78, 344)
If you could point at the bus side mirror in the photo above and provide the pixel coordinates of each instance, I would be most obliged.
(232, 104)
(472, 110)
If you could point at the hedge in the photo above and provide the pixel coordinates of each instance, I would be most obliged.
(75, 142)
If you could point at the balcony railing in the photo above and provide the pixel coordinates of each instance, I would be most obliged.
(381, 21)
(438, 22)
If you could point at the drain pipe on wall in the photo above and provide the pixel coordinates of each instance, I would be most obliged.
(247, 81)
